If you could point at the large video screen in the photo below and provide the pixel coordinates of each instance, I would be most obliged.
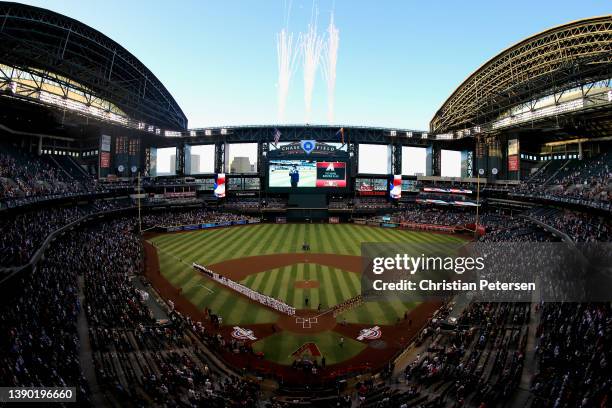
(414, 161)
(371, 187)
(451, 163)
(306, 174)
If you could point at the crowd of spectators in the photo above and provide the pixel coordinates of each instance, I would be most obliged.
(192, 217)
(39, 344)
(23, 233)
(371, 203)
(477, 362)
(437, 216)
(246, 203)
(574, 352)
(579, 226)
(507, 228)
(586, 182)
(26, 178)
(138, 359)
(160, 361)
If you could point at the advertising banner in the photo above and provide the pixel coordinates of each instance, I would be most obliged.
(396, 187)
(220, 185)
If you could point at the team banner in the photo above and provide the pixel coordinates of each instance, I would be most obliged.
(220, 185)
(104, 160)
(105, 143)
(513, 163)
(513, 151)
(396, 187)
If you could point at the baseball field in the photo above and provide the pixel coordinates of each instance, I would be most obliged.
(269, 259)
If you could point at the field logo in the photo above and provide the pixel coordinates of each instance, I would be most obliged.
(308, 145)
(243, 334)
(370, 334)
(309, 349)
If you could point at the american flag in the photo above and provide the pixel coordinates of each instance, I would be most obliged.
(340, 133)
(277, 135)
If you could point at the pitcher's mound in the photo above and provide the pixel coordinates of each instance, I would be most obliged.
(307, 321)
(307, 284)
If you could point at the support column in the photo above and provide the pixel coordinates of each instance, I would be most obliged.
(495, 158)
(481, 158)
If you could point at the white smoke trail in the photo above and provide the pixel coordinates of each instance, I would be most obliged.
(330, 60)
(312, 46)
(287, 57)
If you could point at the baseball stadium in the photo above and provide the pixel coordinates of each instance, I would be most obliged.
(148, 263)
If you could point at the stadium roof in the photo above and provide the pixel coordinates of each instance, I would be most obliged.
(36, 40)
(561, 58)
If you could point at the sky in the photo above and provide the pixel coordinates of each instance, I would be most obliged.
(398, 61)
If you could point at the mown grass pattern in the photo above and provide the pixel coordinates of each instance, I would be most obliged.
(177, 252)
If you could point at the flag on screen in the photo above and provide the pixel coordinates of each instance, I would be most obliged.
(277, 135)
(340, 133)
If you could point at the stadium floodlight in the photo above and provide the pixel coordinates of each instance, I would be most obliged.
(208, 132)
(192, 133)
(424, 136)
(224, 131)
(393, 133)
(409, 134)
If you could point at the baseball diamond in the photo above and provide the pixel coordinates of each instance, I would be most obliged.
(268, 258)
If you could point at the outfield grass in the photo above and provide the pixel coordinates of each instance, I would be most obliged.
(279, 347)
(212, 246)
(177, 251)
